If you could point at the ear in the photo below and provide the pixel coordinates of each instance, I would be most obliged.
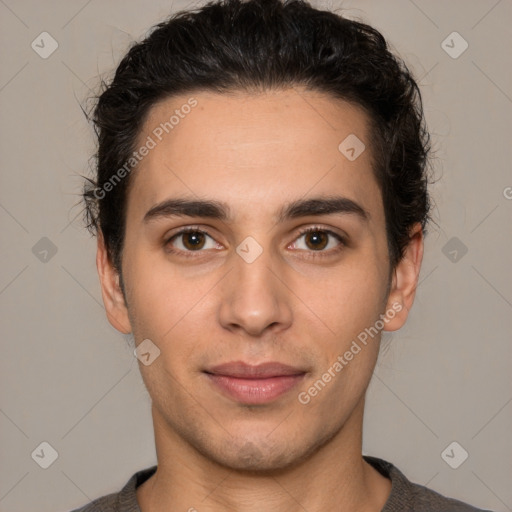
(405, 281)
(113, 298)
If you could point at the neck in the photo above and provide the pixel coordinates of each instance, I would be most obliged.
(334, 477)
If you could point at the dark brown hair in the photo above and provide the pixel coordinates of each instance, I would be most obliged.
(235, 45)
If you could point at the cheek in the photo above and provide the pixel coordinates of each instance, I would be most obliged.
(155, 290)
(352, 297)
(346, 360)
(172, 310)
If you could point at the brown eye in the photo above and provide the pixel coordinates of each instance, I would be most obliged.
(316, 240)
(319, 241)
(193, 240)
(190, 240)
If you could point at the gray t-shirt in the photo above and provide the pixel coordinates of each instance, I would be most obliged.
(404, 496)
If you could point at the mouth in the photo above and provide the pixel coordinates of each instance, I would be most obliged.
(254, 385)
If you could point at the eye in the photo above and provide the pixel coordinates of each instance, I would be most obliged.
(316, 240)
(319, 240)
(190, 240)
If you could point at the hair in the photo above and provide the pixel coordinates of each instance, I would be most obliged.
(261, 45)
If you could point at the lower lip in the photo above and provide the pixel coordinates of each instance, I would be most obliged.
(255, 391)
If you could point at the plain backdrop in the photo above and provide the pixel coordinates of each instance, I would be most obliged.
(69, 379)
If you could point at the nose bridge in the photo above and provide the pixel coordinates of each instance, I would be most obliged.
(253, 296)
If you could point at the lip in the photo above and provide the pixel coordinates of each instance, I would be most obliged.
(257, 384)
(243, 370)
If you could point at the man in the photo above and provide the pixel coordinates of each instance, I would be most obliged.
(260, 205)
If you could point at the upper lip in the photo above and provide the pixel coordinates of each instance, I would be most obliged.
(264, 370)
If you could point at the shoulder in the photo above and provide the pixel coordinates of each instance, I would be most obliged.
(123, 501)
(406, 495)
(108, 503)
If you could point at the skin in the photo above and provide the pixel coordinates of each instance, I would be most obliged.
(256, 153)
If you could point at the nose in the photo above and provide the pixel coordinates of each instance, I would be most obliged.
(254, 298)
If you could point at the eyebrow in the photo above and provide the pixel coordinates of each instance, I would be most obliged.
(211, 209)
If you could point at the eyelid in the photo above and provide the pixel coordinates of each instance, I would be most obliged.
(327, 230)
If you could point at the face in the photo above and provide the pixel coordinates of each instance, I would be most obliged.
(246, 284)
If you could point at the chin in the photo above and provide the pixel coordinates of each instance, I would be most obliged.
(262, 458)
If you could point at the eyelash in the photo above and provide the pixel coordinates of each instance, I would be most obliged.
(312, 229)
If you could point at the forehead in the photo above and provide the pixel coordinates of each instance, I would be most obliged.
(247, 149)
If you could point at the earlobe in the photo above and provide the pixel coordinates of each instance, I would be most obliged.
(405, 281)
(111, 292)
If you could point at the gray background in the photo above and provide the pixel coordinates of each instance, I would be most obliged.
(70, 379)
